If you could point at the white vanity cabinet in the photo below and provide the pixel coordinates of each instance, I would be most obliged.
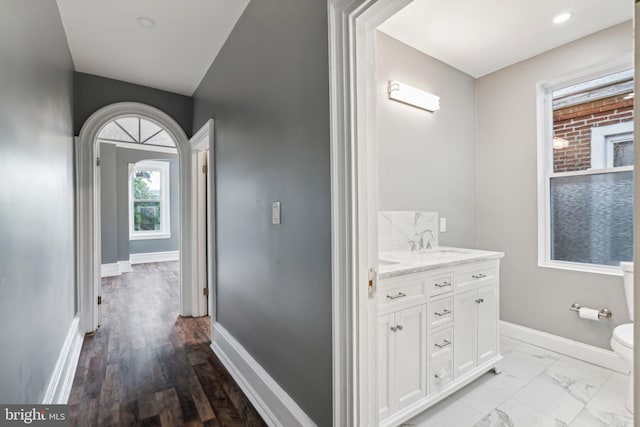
(476, 328)
(438, 331)
(402, 337)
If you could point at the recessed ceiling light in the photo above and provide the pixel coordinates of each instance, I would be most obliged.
(563, 17)
(145, 22)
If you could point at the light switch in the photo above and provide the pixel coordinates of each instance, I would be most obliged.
(443, 225)
(275, 212)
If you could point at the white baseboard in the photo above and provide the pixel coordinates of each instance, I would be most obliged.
(117, 268)
(59, 387)
(154, 257)
(589, 353)
(108, 270)
(275, 406)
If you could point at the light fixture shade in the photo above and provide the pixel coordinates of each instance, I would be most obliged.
(404, 93)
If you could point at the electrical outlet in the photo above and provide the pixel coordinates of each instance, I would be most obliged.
(443, 225)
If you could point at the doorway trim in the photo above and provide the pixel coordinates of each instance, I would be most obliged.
(88, 246)
(202, 141)
(354, 204)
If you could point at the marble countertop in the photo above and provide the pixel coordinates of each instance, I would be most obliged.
(400, 263)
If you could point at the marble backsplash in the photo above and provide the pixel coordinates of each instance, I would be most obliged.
(407, 230)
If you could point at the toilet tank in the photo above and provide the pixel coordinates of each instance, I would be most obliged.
(627, 268)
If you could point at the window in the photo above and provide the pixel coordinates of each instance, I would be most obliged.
(149, 203)
(136, 130)
(586, 173)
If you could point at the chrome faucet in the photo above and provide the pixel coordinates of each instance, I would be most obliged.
(429, 241)
(420, 244)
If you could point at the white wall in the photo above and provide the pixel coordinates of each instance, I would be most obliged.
(507, 194)
(427, 160)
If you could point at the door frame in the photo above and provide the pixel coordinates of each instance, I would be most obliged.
(354, 204)
(203, 140)
(88, 225)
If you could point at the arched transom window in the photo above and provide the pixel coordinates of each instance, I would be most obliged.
(136, 130)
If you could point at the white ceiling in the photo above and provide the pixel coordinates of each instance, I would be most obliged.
(174, 55)
(479, 37)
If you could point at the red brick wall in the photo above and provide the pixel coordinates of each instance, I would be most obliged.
(574, 124)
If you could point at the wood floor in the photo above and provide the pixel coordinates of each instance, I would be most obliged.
(146, 366)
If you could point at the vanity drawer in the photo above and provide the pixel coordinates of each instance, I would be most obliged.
(441, 344)
(406, 292)
(441, 374)
(441, 312)
(472, 276)
(440, 284)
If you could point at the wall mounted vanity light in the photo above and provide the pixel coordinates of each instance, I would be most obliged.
(410, 95)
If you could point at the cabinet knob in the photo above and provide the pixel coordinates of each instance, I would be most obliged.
(399, 327)
(396, 328)
(479, 276)
(479, 300)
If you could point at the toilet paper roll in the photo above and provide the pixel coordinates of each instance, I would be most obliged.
(588, 313)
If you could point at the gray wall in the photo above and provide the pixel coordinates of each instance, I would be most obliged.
(507, 194)
(94, 92)
(108, 204)
(427, 161)
(37, 270)
(268, 91)
(114, 169)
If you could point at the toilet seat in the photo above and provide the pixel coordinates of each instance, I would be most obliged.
(623, 334)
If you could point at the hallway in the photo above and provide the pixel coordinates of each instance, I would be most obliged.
(146, 366)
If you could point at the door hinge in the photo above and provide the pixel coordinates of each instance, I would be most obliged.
(205, 292)
(205, 168)
(373, 278)
(97, 161)
(100, 300)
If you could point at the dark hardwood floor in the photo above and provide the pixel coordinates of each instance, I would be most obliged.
(146, 366)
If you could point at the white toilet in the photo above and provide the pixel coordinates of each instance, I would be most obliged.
(622, 339)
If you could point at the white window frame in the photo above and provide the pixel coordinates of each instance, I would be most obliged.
(165, 200)
(545, 166)
(602, 140)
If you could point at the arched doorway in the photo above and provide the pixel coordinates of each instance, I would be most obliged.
(88, 203)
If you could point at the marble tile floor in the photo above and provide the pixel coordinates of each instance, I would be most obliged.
(537, 387)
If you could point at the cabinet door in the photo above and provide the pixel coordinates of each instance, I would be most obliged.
(464, 332)
(385, 364)
(410, 355)
(487, 323)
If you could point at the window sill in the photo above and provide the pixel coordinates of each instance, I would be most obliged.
(149, 236)
(583, 268)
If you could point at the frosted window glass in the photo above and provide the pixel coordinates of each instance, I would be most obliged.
(148, 129)
(130, 124)
(113, 132)
(592, 218)
(163, 139)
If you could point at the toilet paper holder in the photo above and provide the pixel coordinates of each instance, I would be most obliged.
(604, 313)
